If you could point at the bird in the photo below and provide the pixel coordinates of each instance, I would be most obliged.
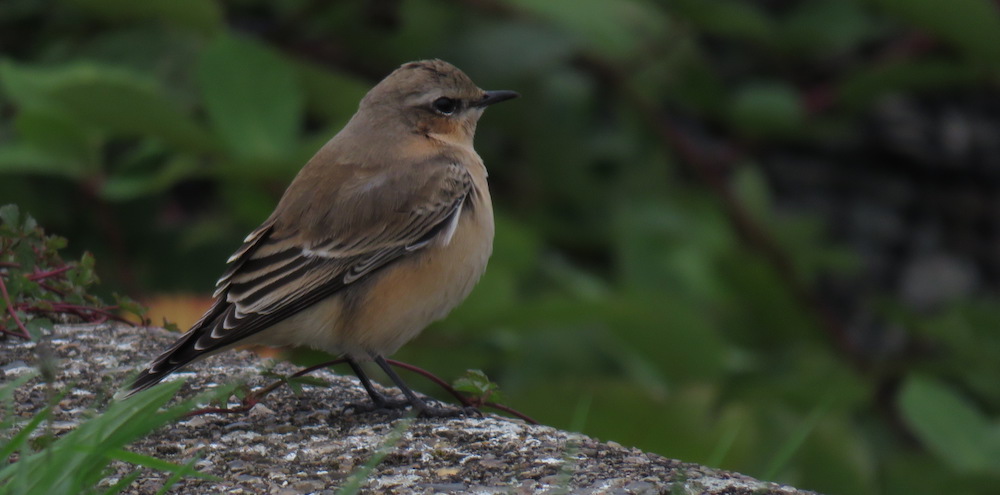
(385, 230)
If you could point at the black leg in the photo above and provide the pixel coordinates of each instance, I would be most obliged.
(378, 399)
(419, 404)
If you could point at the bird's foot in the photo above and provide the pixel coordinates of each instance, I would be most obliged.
(424, 408)
(383, 404)
(447, 411)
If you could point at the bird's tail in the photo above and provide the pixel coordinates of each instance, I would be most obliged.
(161, 367)
(146, 379)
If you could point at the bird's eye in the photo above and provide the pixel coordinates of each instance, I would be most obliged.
(445, 105)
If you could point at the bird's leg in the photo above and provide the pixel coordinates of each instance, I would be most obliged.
(380, 401)
(418, 404)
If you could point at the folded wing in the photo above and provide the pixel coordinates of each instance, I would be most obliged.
(283, 267)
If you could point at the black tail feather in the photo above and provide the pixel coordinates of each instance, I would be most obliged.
(146, 379)
(161, 367)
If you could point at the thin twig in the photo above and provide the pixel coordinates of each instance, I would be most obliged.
(50, 273)
(52, 289)
(510, 410)
(430, 376)
(315, 367)
(13, 314)
(254, 397)
(88, 314)
(107, 312)
(459, 395)
(245, 405)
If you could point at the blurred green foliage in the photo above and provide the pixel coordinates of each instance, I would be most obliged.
(38, 286)
(77, 462)
(157, 133)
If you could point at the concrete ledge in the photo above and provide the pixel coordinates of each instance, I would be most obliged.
(312, 443)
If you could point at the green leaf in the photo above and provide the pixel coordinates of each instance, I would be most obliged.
(971, 25)
(87, 261)
(124, 187)
(37, 326)
(20, 287)
(58, 135)
(730, 18)
(16, 442)
(128, 105)
(252, 97)
(826, 28)
(123, 483)
(7, 391)
(121, 423)
(473, 381)
(949, 425)
(128, 305)
(616, 28)
(158, 464)
(23, 159)
(767, 109)
(363, 474)
(781, 459)
(8, 418)
(477, 384)
(105, 97)
(83, 273)
(752, 188)
(516, 49)
(27, 87)
(661, 247)
(861, 88)
(177, 475)
(54, 243)
(10, 216)
(30, 225)
(203, 15)
(333, 95)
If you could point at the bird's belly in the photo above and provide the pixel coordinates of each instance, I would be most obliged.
(377, 315)
(414, 292)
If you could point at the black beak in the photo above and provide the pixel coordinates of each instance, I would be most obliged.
(492, 97)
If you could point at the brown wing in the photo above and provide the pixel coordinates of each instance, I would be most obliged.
(284, 267)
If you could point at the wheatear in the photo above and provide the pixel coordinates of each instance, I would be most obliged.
(385, 230)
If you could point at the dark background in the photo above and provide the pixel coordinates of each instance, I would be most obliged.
(760, 235)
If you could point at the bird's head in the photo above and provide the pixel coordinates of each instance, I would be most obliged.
(432, 98)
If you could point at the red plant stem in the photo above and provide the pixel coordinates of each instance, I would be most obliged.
(106, 312)
(91, 315)
(510, 410)
(458, 395)
(51, 273)
(406, 366)
(253, 398)
(248, 402)
(315, 367)
(428, 375)
(13, 314)
(9, 264)
(52, 289)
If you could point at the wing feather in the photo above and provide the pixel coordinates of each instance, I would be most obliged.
(281, 270)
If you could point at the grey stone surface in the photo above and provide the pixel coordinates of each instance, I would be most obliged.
(314, 442)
